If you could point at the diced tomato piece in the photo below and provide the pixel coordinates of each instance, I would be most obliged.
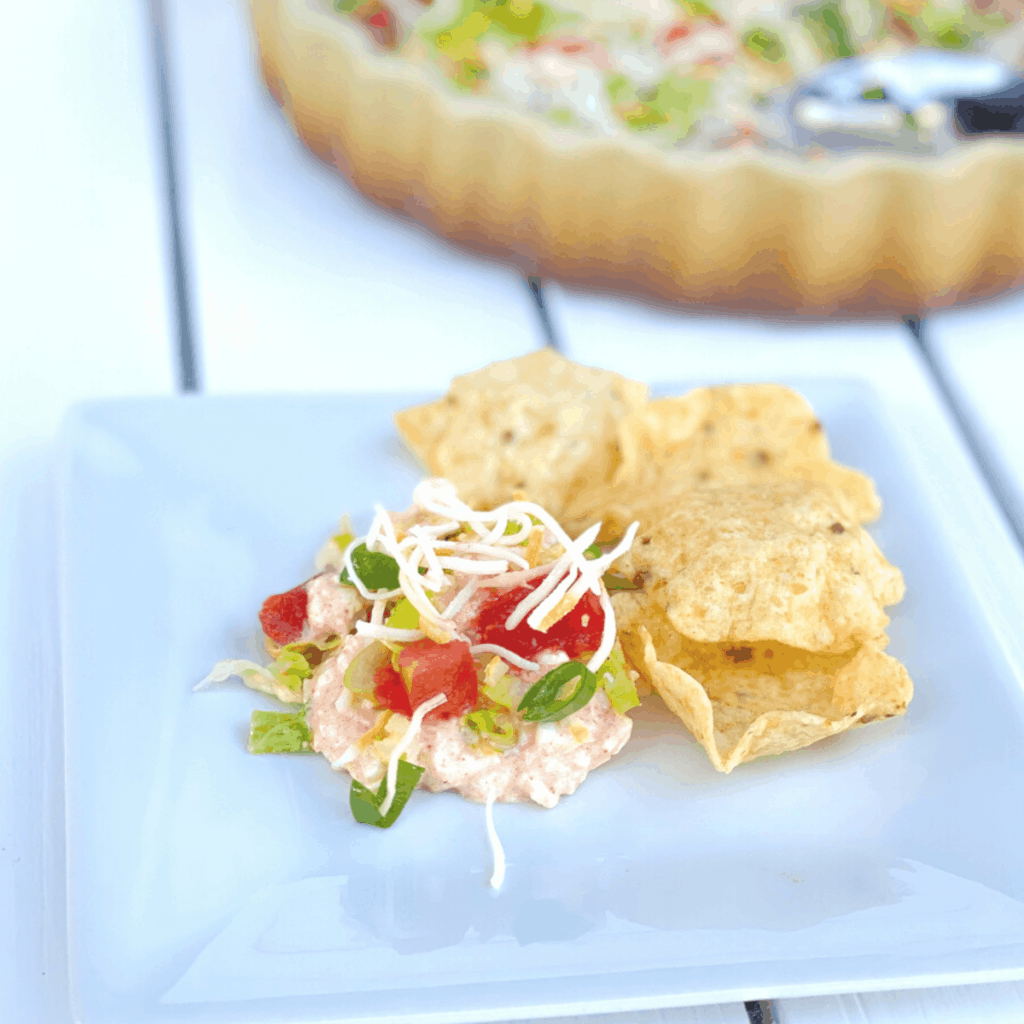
(389, 690)
(429, 669)
(380, 22)
(283, 615)
(677, 32)
(575, 633)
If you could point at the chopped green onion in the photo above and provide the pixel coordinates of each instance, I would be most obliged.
(366, 804)
(613, 582)
(296, 662)
(309, 648)
(291, 663)
(360, 676)
(541, 703)
(499, 692)
(762, 43)
(404, 615)
(376, 570)
(279, 732)
(953, 37)
(497, 732)
(594, 551)
(644, 116)
(702, 10)
(521, 19)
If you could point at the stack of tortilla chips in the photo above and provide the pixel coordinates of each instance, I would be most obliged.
(757, 600)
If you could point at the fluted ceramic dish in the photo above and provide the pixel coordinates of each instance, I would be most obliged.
(869, 232)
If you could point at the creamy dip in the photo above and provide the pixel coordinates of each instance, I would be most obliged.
(548, 762)
(331, 608)
(448, 648)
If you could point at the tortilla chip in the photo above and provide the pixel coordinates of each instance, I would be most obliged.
(784, 562)
(742, 702)
(539, 424)
(721, 437)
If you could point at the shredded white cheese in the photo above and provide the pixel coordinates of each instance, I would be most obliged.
(458, 602)
(497, 851)
(403, 745)
(401, 636)
(489, 562)
(504, 652)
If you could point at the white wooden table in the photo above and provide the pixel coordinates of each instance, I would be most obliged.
(293, 283)
(86, 314)
(981, 350)
(299, 283)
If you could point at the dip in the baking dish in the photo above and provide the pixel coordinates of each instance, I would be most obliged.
(718, 74)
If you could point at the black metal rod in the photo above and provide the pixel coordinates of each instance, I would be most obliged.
(536, 286)
(1000, 489)
(188, 364)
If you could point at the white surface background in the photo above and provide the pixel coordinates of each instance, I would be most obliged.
(300, 283)
(85, 314)
(300, 286)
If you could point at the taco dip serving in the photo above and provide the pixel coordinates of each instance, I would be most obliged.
(713, 552)
(451, 649)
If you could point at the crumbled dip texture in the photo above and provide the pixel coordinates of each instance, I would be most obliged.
(548, 762)
(331, 608)
(701, 75)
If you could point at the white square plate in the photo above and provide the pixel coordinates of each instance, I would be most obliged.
(209, 885)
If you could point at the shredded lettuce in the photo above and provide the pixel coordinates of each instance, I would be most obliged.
(830, 28)
(257, 677)
(613, 676)
(290, 668)
(283, 677)
(279, 732)
(314, 650)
